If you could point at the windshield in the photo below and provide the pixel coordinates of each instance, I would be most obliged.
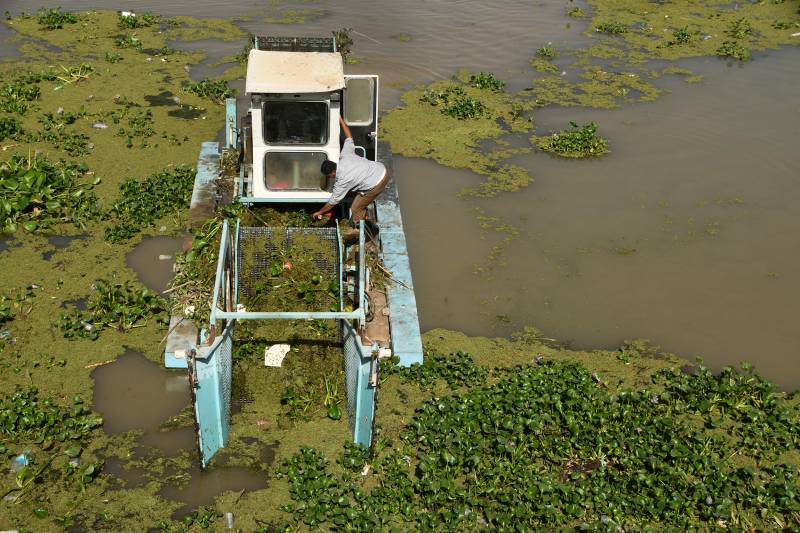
(294, 171)
(293, 122)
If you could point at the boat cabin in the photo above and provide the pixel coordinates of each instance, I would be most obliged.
(292, 123)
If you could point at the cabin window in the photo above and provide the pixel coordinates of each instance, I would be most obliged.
(294, 171)
(295, 122)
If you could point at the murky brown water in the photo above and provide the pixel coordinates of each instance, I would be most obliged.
(153, 259)
(687, 233)
(134, 393)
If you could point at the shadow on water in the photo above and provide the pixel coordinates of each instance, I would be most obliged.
(153, 259)
(134, 393)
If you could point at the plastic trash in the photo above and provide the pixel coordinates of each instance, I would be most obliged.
(164, 257)
(229, 520)
(21, 461)
(273, 356)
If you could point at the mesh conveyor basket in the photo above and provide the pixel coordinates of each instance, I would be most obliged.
(259, 244)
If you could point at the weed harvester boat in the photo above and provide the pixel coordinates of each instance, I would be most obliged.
(297, 90)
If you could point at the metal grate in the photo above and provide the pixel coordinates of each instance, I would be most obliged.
(360, 393)
(212, 393)
(260, 244)
(224, 361)
(295, 44)
(352, 363)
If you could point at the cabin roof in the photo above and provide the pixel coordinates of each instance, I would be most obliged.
(294, 72)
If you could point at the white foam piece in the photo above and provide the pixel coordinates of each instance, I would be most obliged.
(273, 355)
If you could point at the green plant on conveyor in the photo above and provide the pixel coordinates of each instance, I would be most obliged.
(121, 306)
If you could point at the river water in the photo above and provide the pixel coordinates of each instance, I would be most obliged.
(686, 234)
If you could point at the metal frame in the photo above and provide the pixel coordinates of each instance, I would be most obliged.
(220, 314)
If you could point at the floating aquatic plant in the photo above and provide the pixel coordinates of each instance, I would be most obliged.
(578, 142)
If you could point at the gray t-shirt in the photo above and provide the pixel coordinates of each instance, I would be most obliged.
(354, 173)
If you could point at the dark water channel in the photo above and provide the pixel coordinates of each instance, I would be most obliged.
(687, 233)
(135, 394)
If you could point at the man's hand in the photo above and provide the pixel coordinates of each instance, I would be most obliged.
(325, 210)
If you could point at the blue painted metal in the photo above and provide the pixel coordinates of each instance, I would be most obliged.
(236, 267)
(231, 136)
(362, 272)
(223, 245)
(212, 393)
(204, 192)
(360, 393)
(403, 316)
(288, 315)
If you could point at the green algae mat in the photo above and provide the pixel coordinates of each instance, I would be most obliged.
(100, 125)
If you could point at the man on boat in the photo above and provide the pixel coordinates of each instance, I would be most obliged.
(353, 173)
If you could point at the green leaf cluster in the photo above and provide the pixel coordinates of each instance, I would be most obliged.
(740, 28)
(138, 20)
(142, 202)
(16, 95)
(140, 126)
(10, 128)
(55, 19)
(486, 81)
(578, 142)
(457, 370)
(576, 12)
(611, 28)
(681, 36)
(215, 90)
(453, 101)
(25, 417)
(734, 50)
(128, 40)
(37, 194)
(122, 306)
(548, 446)
(546, 52)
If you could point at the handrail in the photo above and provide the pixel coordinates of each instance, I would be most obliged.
(290, 315)
(219, 280)
(342, 275)
(362, 260)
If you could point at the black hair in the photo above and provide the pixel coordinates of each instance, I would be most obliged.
(327, 167)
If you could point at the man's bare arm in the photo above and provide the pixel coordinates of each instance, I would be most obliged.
(324, 209)
(345, 129)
